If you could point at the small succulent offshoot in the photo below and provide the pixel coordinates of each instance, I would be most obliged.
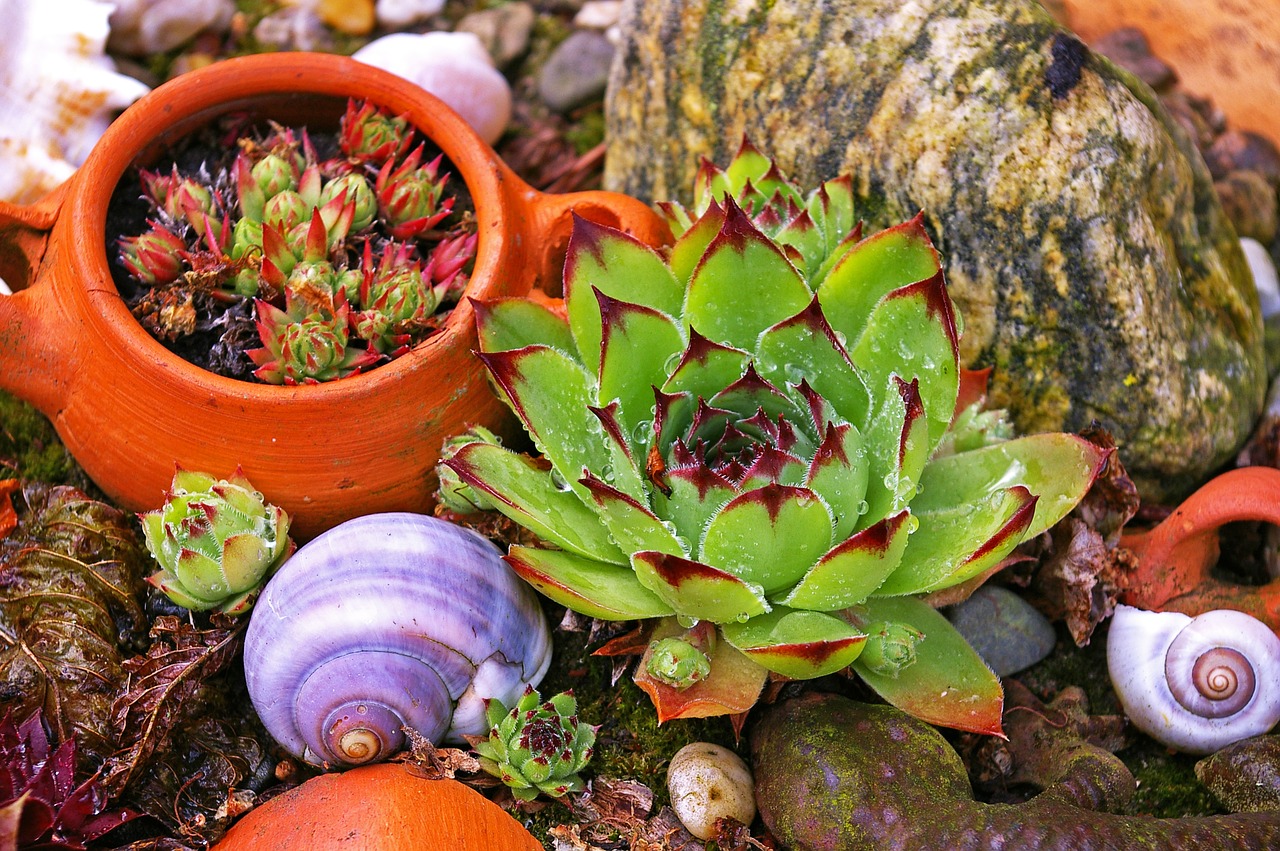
(765, 428)
(280, 220)
(536, 747)
(216, 541)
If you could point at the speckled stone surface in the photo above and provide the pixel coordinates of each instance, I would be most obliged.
(1092, 263)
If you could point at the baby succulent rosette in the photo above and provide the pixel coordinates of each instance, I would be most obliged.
(538, 746)
(762, 428)
(216, 541)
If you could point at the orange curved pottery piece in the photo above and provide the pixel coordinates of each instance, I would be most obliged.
(1175, 557)
(376, 807)
(129, 410)
(1221, 49)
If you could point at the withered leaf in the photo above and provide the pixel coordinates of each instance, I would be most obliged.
(70, 585)
(436, 763)
(1082, 569)
(160, 685)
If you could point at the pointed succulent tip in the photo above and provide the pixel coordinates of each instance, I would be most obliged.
(738, 229)
(587, 236)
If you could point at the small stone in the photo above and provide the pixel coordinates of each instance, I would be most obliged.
(398, 14)
(1128, 48)
(351, 17)
(454, 67)
(709, 782)
(1249, 200)
(140, 27)
(1240, 149)
(504, 30)
(293, 28)
(598, 14)
(577, 71)
(1008, 633)
(1190, 114)
(1245, 776)
(1264, 276)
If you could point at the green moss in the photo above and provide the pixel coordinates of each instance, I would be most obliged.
(587, 131)
(30, 448)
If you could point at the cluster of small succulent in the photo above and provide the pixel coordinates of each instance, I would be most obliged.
(345, 257)
(762, 428)
(537, 746)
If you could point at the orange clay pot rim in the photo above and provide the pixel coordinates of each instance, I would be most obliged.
(240, 82)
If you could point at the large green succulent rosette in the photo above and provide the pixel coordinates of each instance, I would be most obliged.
(757, 428)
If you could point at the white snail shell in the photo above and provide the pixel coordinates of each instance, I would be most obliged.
(1195, 684)
(386, 621)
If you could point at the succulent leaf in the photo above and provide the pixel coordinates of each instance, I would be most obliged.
(742, 267)
(531, 497)
(636, 343)
(805, 347)
(592, 587)
(872, 269)
(954, 545)
(854, 568)
(912, 333)
(698, 590)
(947, 683)
(770, 536)
(1057, 468)
(797, 644)
(622, 268)
(513, 323)
(552, 395)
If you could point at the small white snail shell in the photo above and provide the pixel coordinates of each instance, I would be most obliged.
(1195, 684)
(386, 621)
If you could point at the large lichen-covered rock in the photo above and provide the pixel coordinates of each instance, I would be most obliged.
(1084, 245)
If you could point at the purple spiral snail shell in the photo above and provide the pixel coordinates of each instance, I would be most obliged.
(390, 621)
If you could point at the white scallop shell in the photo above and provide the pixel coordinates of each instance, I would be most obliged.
(58, 92)
(454, 67)
(1137, 644)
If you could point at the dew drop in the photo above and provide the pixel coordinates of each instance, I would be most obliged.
(913, 523)
(672, 362)
(863, 507)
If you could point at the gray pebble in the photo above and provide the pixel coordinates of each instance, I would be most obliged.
(1008, 633)
(503, 30)
(577, 71)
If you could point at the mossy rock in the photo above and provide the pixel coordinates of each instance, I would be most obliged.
(1093, 265)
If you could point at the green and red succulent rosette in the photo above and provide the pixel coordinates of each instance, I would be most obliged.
(765, 427)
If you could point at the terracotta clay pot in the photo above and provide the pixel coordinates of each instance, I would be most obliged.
(129, 410)
(1176, 556)
(375, 807)
(1221, 49)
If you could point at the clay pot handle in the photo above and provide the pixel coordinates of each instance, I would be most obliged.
(551, 221)
(1174, 558)
(31, 354)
